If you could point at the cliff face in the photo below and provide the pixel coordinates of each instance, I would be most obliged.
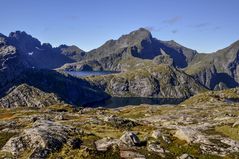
(39, 55)
(11, 63)
(218, 70)
(149, 81)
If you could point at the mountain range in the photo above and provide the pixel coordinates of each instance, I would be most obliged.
(149, 67)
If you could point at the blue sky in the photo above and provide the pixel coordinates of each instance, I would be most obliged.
(204, 25)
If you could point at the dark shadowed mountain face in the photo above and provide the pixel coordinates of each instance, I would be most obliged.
(44, 84)
(16, 64)
(11, 63)
(217, 70)
(39, 55)
(139, 43)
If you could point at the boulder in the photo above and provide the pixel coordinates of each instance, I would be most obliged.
(130, 139)
(153, 147)
(119, 122)
(235, 124)
(190, 135)
(156, 134)
(185, 156)
(131, 155)
(105, 143)
(42, 139)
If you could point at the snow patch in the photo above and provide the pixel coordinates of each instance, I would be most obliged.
(30, 53)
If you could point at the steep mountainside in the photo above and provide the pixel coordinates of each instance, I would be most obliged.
(218, 70)
(39, 55)
(139, 43)
(11, 63)
(149, 80)
(69, 89)
(27, 96)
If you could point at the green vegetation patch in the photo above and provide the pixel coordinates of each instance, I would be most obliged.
(229, 131)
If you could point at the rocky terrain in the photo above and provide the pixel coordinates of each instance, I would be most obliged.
(146, 79)
(25, 83)
(42, 113)
(35, 85)
(217, 70)
(139, 43)
(38, 55)
(204, 126)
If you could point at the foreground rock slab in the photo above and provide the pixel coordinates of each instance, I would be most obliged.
(43, 138)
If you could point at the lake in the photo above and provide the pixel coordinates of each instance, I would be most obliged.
(115, 102)
(90, 73)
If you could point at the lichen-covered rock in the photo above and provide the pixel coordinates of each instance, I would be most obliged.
(153, 147)
(190, 135)
(185, 156)
(130, 139)
(105, 143)
(156, 134)
(42, 139)
(120, 122)
(131, 155)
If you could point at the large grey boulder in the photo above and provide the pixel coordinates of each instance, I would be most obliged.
(191, 135)
(156, 134)
(42, 139)
(105, 143)
(131, 155)
(130, 139)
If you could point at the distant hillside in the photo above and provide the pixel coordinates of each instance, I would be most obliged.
(217, 70)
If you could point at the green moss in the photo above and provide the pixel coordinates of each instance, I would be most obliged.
(88, 153)
(178, 147)
(4, 137)
(229, 131)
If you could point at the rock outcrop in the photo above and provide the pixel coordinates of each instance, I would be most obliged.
(149, 80)
(217, 70)
(28, 96)
(130, 139)
(43, 138)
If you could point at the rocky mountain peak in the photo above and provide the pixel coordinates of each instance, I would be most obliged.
(135, 37)
(141, 32)
(23, 41)
(2, 39)
(18, 34)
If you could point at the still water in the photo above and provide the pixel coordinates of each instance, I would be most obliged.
(115, 102)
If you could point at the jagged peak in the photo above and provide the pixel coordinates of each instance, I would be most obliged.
(18, 34)
(141, 33)
(1, 35)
